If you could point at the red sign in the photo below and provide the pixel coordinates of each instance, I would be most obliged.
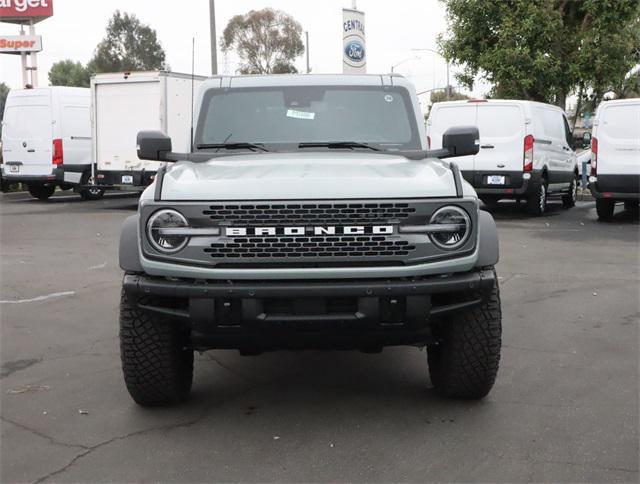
(25, 10)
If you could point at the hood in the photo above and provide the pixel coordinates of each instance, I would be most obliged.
(307, 176)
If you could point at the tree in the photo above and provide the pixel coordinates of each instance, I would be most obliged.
(266, 40)
(440, 95)
(543, 49)
(128, 46)
(69, 73)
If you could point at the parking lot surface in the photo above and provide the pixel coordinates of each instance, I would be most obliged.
(564, 408)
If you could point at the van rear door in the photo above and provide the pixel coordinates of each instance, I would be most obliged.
(446, 116)
(618, 134)
(27, 134)
(502, 132)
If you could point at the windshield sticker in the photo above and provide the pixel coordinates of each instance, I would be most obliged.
(292, 113)
(388, 98)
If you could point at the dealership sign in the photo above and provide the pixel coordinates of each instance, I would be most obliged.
(15, 44)
(354, 52)
(25, 10)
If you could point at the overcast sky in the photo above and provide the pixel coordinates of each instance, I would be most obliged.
(393, 30)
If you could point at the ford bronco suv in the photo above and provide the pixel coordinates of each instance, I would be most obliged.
(308, 215)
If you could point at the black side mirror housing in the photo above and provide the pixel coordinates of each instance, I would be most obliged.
(461, 141)
(153, 145)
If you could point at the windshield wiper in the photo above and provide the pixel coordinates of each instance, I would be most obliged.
(232, 146)
(338, 144)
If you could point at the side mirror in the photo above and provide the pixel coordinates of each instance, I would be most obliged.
(153, 145)
(461, 141)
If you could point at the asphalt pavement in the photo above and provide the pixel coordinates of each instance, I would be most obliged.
(564, 408)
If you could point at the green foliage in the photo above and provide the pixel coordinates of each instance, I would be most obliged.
(441, 95)
(69, 73)
(267, 41)
(128, 46)
(544, 49)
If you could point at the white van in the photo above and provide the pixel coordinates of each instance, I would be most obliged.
(526, 150)
(46, 140)
(615, 156)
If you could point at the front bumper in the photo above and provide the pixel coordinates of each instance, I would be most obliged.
(262, 315)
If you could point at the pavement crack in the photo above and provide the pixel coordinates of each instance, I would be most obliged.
(161, 428)
(43, 435)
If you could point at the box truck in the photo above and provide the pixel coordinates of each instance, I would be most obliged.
(46, 140)
(127, 102)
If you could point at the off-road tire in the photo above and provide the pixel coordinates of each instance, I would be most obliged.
(464, 362)
(41, 192)
(157, 359)
(605, 208)
(569, 200)
(92, 193)
(537, 201)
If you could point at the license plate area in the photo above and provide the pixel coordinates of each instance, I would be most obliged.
(495, 180)
(14, 168)
(127, 179)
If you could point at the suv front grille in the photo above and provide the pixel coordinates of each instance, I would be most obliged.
(297, 247)
(326, 213)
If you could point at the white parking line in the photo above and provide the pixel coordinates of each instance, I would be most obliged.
(39, 298)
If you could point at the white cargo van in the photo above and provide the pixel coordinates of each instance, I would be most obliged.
(526, 150)
(125, 103)
(615, 156)
(46, 140)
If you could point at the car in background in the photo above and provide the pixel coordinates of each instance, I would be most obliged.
(615, 156)
(526, 150)
(46, 140)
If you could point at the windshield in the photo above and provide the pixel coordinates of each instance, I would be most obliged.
(281, 118)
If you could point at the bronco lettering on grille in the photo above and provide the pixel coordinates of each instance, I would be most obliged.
(304, 231)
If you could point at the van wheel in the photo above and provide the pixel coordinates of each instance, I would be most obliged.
(489, 201)
(465, 362)
(537, 202)
(157, 359)
(569, 200)
(632, 206)
(605, 208)
(92, 193)
(41, 192)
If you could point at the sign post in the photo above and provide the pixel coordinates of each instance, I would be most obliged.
(354, 52)
(25, 12)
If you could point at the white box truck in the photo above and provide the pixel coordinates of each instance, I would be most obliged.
(127, 102)
(46, 140)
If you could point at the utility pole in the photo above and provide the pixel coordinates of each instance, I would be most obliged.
(306, 35)
(214, 42)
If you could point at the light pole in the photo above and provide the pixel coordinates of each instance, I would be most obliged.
(214, 43)
(447, 61)
(306, 35)
(403, 61)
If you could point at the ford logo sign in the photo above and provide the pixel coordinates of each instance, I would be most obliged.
(354, 51)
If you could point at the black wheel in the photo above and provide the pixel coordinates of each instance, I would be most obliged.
(489, 201)
(92, 193)
(157, 359)
(605, 208)
(464, 363)
(569, 200)
(631, 205)
(41, 192)
(537, 201)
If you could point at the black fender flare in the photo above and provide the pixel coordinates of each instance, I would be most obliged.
(129, 252)
(488, 246)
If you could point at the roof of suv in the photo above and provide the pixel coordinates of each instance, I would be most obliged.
(307, 80)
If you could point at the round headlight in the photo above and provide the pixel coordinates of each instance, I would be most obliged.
(161, 238)
(455, 227)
